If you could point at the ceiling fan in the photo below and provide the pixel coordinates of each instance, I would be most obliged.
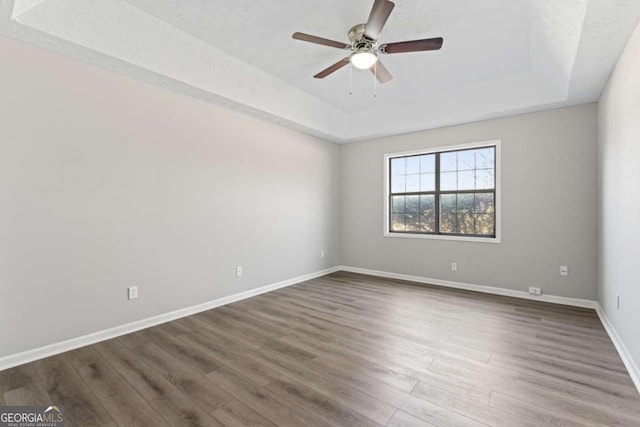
(364, 44)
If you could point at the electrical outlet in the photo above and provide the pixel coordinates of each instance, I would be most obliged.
(133, 292)
(239, 271)
(321, 254)
(454, 266)
(535, 291)
(564, 270)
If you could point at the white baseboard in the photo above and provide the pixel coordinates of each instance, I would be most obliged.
(10, 361)
(575, 302)
(626, 357)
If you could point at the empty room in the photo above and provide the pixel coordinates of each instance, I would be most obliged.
(296, 213)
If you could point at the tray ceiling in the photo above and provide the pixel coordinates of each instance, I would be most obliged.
(500, 57)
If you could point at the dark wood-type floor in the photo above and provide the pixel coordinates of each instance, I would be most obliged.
(347, 350)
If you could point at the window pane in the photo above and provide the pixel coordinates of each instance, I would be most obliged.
(448, 181)
(447, 213)
(428, 163)
(484, 179)
(466, 180)
(448, 203)
(413, 183)
(413, 165)
(428, 213)
(466, 160)
(485, 225)
(428, 182)
(397, 204)
(397, 166)
(412, 222)
(397, 184)
(428, 222)
(485, 158)
(427, 202)
(397, 222)
(465, 203)
(465, 224)
(413, 204)
(484, 203)
(447, 222)
(475, 169)
(448, 162)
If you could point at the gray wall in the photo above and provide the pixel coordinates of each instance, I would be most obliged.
(549, 206)
(106, 182)
(619, 115)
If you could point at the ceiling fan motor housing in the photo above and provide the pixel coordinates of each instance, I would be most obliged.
(359, 42)
(356, 34)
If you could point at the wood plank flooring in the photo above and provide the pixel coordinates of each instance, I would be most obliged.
(346, 350)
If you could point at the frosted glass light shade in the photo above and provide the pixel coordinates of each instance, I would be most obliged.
(363, 60)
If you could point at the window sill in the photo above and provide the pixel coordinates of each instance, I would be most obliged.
(443, 237)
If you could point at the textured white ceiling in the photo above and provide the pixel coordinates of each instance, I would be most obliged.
(500, 57)
(259, 33)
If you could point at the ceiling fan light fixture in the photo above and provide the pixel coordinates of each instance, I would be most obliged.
(364, 44)
(363, 60)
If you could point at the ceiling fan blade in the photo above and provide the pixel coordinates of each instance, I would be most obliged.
(382, 74)
(412, 46)
(319, 40)
(335, 67)
(377, 18)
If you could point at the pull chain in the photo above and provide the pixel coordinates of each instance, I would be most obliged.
(375, 80)
(350, 79)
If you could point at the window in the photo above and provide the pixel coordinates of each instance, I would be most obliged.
(445, 193)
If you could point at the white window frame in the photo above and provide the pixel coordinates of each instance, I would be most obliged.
(498, 191)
